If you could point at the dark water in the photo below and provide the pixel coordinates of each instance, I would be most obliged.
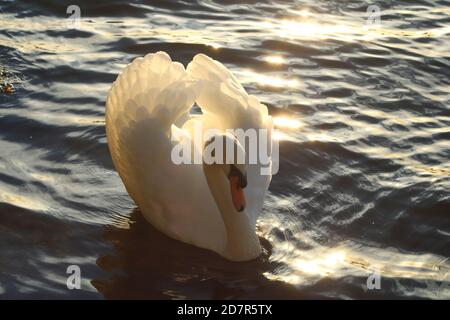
(364, 178)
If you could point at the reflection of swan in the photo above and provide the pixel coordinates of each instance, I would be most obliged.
(147, 113)
(145, 264)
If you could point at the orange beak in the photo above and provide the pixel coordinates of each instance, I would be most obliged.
(237, 194)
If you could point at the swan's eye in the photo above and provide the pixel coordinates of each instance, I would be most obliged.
(238, 181)
(242, 178)
(237, 194)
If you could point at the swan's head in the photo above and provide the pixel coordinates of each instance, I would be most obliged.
(225, 169)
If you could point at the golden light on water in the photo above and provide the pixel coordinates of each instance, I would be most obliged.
(280, 136)
(214, 45)
(304, 13)
(265, 80)
(275, 59)
(334, 258)
(22, 201)
(308, 29)
(321, 265)
(307, 266)
(286, 123)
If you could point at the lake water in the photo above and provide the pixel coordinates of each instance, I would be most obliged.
(364, 125)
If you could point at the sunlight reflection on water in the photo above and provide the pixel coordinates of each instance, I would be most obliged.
(363, 138)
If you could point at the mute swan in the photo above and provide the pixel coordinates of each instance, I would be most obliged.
(147, 112)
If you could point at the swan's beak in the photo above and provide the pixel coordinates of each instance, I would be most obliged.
(238, 182)
(237, 194)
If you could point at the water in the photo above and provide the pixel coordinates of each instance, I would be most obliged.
(364, 120)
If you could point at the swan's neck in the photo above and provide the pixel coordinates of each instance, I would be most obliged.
(242, 242)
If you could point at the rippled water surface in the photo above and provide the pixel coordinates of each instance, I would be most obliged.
(364, 120)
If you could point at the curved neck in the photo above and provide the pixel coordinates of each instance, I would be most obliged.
(242, 242)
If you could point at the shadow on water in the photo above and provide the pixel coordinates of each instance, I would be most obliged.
(149, 265)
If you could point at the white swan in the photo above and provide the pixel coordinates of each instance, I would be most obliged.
(147, 112)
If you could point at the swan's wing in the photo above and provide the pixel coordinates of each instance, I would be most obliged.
(223, 97)
(144, 102)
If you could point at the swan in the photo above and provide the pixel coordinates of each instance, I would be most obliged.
(212, 206)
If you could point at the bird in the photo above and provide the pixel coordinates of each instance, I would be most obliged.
(148, 112)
